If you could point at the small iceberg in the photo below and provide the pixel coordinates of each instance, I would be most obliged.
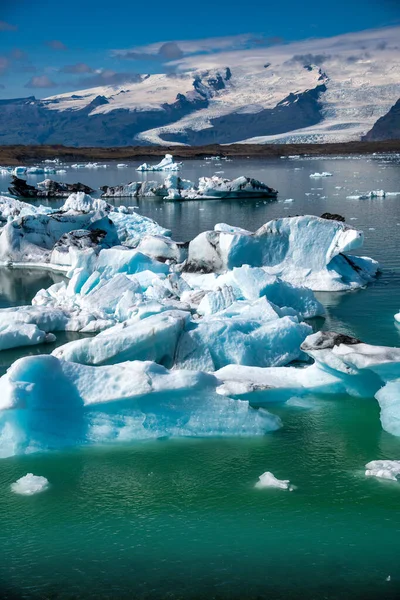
(268, 480)
(383, 469)
(167, 164)
(369, 195)
(121, 166)
(30, 484)
(323, 174)
(46, 189)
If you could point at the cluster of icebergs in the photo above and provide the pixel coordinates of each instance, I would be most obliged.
(188, 335)
(176, 188)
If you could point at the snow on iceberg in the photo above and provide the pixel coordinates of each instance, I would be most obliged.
(268, 480)
(109, 404)
(30, 484)
(383, 469)
(167, 164)
(306, 251)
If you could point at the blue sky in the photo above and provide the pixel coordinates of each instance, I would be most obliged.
(49, 47)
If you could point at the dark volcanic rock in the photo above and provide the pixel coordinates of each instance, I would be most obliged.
(324, 340)
(387, 127)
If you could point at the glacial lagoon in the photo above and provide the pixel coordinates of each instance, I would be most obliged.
(176, 518)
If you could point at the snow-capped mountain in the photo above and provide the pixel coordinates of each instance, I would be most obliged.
(320, 90)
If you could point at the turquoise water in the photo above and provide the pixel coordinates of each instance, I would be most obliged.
(181, 518)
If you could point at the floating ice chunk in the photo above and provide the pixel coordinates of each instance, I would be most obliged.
(30, 484)
(308, 251)
(167, 164)
(383, 469)
(14, 335)
(241, 187)
(369, 195)
(35, 171)
(111, 404)
(323, 174)
(397, 317)
(268, 480)
(121, 166)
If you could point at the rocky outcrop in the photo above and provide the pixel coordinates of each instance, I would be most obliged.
(387, 127)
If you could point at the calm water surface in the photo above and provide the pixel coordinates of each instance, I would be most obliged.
(181, 518)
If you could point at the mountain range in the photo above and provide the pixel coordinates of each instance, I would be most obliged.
(315, 91)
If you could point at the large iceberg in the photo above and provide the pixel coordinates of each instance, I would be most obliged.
(167, 164)
(308, 251)
(110, 404)
(176, 188)
(46, 189)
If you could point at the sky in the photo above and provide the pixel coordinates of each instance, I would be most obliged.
(49, 47)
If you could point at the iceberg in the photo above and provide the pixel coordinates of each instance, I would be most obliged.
(306, 251)
(176, 188)
(46, 189)
(323, 174)
(241, 187)
(167, 164)
(268, 480)
(369, 195)
(30, 484)
(110, 404)
(342, 365)
(383, 469)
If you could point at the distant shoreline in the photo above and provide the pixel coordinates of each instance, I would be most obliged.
(18, 155)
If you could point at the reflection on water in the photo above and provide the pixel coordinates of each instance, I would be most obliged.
(19, 286)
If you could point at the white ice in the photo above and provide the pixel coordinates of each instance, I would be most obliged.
(383, 469)
(268, 480)
(167, 164)
(30, 484)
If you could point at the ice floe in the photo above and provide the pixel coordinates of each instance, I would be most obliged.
(30, 484)
(318, 175)
(268, 480)
(383, 469)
